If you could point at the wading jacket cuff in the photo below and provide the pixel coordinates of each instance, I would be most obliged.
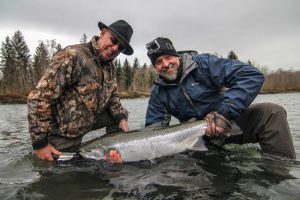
(224, 112)
(121, 116)
(154, 125)
(40, 144)
(125, 119)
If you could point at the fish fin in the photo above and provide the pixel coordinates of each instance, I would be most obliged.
(199, 145)
(235, 129)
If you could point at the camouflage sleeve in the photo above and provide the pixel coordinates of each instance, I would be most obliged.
(48, 89)
(115, 107)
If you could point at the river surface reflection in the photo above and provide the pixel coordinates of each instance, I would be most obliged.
(238, 172)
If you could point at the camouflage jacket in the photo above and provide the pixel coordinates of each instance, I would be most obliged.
(75, 88)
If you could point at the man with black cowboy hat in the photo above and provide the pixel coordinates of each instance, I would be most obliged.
(191, 86)
(78, 93)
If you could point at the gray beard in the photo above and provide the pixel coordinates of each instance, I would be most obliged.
(170, 77)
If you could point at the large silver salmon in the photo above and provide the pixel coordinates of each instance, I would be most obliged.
(148, 143)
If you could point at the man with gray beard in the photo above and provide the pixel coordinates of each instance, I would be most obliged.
(192, 86)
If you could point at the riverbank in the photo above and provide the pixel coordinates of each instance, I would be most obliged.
(13, 98)
(22, 98)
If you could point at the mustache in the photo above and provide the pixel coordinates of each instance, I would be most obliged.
(165, 69)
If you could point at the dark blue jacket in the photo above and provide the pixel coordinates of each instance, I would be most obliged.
(208, 83)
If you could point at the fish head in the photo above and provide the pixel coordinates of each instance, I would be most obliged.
(96, 154)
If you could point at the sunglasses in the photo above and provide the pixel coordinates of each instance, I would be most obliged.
(115, 41)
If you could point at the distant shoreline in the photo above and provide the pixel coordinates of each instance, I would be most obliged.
(22, 99)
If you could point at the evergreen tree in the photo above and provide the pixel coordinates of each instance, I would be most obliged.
(117, 63)
(83, 39)
(22, 63)
(122, 79)
(2, 86)
(135, 67)
(128, 74)
(136, 64)
(40, 61)
(58, 48)
(144, 65)
(232, 55)
(249, 62)
(7, 66)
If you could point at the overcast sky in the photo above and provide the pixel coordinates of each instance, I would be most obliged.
(266, 32)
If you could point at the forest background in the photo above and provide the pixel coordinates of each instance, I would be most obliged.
(20, 71)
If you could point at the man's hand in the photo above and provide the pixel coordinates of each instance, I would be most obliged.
(217, 125)
(45, 153)
(123, 125)
(113, 157)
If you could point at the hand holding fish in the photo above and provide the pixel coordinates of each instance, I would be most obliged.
(123, 125)
(217, 125)
(114, 157)
(46, 152)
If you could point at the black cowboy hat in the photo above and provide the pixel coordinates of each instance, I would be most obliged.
(123, 30)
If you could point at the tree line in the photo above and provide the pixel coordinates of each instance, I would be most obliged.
(20, 72)
(278, 81)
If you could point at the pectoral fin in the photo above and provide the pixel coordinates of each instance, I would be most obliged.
(199, 145)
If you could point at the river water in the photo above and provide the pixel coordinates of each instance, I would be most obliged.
(237, 172)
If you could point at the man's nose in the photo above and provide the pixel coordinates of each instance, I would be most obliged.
(165, 63)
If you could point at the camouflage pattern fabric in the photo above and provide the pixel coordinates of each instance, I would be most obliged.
(76, 87)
